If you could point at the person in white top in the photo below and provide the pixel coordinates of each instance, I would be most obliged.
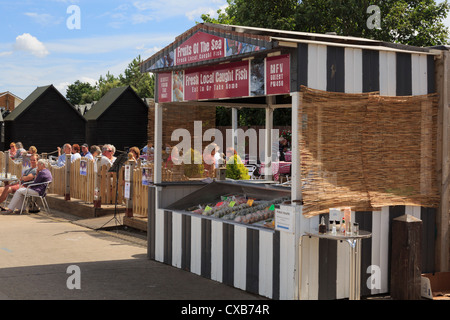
(75, 152)
(108, 151)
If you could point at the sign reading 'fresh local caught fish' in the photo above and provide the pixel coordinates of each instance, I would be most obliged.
(236, 79)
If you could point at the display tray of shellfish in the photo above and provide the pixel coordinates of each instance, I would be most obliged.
(240, 209)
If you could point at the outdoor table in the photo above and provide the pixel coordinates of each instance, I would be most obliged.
(354, 241)
(6, 181)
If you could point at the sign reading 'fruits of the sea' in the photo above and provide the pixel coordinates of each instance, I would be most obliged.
(200, 47)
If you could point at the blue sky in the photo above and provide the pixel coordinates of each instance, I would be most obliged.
(38, 48)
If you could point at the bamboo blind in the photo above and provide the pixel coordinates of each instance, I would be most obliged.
(367, 151)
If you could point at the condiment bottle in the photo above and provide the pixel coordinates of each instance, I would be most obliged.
(343, 226)
(333, 228)
(356, 228)
(322, 226)
(348, 220)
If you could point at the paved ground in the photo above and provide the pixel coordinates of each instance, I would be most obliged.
(38, 250)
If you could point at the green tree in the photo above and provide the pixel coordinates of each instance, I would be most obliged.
(76, 90)
(410, 22)
(235, 169)
(142, 83)
(257, 13)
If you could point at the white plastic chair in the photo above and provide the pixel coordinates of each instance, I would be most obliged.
(43, 197)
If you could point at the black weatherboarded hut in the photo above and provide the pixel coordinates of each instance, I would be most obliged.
(119, 118)
(46, 120)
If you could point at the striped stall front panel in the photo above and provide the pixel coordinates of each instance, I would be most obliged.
(263, 261)
(325, 263)
(254, 260)
(363, 70)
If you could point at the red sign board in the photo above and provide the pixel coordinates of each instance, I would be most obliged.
(228, 80)
(222, 81)
(278, 74)
(200, 47)
(165, 87)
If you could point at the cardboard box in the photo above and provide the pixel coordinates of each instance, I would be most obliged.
(436, 286)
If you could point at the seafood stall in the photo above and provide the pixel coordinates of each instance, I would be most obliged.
(367, 134)
(225, 231)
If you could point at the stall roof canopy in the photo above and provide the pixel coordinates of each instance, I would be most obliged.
(263, 40)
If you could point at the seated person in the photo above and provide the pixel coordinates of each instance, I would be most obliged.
(108, 158)
(67, 148)
(134, 153)
(43, 175)
(12, 150)
(27, 177)
(32, 150)
(20, 151)
(282, 148)
(95, 152)
(85, 151)
(75, 152)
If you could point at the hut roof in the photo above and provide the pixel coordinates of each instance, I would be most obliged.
(107, 100)
(31, 99)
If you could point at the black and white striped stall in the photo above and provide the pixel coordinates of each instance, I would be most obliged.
(265, 261)
(289, 265)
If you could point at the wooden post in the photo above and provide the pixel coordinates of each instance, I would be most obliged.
(269, 156)
(6, 161)
(129, 180)
(443, 168)
(234, 127)
(406, 260)
(296, 188)
(97, 183)
(67, 178)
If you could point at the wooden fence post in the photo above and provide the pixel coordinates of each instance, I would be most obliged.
(97, 183)
(406, 267)
(67, 178)
(129, 173)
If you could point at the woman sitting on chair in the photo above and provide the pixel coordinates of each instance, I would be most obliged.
(42, 175)
(27, 177)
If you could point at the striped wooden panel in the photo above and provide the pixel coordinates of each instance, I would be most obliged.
(263, 261)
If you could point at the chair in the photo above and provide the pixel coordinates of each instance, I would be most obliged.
(43, 197)
(253, 171)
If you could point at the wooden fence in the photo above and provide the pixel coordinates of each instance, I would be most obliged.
(83, 183)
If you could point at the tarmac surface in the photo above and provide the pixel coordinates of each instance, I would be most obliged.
(51, 257)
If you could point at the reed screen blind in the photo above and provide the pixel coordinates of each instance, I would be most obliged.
(367, 151)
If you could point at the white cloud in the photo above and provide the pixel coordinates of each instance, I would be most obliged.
(196, 14)
(149, 10)
(106, 44)
(6, 53)
(26, 42)
(62, 87)
(44, 19)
